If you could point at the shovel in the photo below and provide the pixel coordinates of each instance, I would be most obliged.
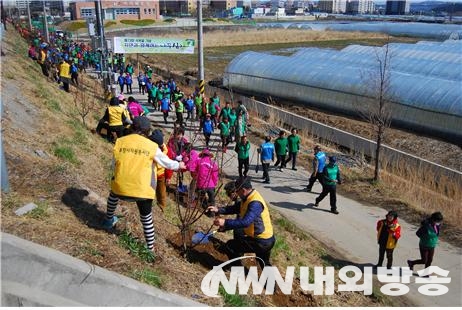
(202, 238)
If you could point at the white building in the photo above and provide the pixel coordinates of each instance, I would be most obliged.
(333, 6)
(360, 6)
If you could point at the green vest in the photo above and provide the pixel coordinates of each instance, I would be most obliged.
(293, 142)
(242, 150)
(180, 106)
(430, 238)
(224, 129)
(280, 144)
(212, 108)
(232, 118)
(332, 172)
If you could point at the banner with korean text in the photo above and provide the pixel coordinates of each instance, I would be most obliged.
(128, 45)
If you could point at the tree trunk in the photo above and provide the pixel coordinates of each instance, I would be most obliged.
(377, 154)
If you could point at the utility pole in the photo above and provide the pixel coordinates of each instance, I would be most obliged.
(100, 31)
(28, 16)
(45, 24)
(200, 46)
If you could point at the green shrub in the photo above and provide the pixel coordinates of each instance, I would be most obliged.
(40, 212)
(136, 247)
(66, 153)
(235, 300)
(147, 276)
(110, 23)
(141, 22)
(76, 25)
(169, 20)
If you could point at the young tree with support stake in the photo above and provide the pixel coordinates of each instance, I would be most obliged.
(378, 111)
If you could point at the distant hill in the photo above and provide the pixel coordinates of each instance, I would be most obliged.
(436, 6)
(455, 8)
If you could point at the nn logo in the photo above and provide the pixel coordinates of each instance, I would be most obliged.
(238, 279)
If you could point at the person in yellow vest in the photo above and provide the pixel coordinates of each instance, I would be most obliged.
(42, 60)
(134, 176)
(65, 74)
(161, 187)
(116, 117)
(254, 218)
(388, 233)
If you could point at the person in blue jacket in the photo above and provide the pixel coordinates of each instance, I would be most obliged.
(121, 81)
(266, 151)
(129, 82)
(165, 107)
(319, 162)
(207, 129)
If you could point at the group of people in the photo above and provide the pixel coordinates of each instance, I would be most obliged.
(141, 164)
(61, 59)
(253, 228)
(389, 231)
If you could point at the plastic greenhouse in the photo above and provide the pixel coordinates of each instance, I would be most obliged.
(425, 81)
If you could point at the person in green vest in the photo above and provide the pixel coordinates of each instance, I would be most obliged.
(225, 111)
(148, 71)
(232, 124)
(179, 106)
(213, 110)
(160, 95)
(243, 152)
(428, 234)
(331, 175)
(198, 99)
(241, 124)
(153, 93)
(293, 144)
(224, 133)
(280, 146)
(129, 69)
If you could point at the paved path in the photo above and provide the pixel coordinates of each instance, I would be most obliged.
(351, 233)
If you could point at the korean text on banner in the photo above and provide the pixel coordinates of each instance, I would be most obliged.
(153, 46)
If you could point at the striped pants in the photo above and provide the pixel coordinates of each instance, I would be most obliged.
(145, 208)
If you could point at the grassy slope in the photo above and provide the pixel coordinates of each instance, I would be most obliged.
(68, 220)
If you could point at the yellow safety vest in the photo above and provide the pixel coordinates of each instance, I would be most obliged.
(134, 175)
(391, 241)
(159, 168)
(115, 115)
(268, 227)
(43, 57)
(65, 70)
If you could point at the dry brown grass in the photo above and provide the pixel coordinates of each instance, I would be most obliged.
(269, 36)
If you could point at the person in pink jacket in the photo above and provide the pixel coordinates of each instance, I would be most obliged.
(207, 178)
(134, 107)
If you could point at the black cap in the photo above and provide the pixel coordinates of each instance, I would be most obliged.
(141, 123)
(114, 101)
(243, 182)
(230, 187)
(393, 213)
(157, 137)
(332, 159)
(436, 217)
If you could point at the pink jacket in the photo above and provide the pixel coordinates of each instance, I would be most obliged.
(135, 108)
(191, 161)
(207, 173)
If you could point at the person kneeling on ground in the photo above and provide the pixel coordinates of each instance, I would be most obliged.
(254, 218)
(135, 156)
